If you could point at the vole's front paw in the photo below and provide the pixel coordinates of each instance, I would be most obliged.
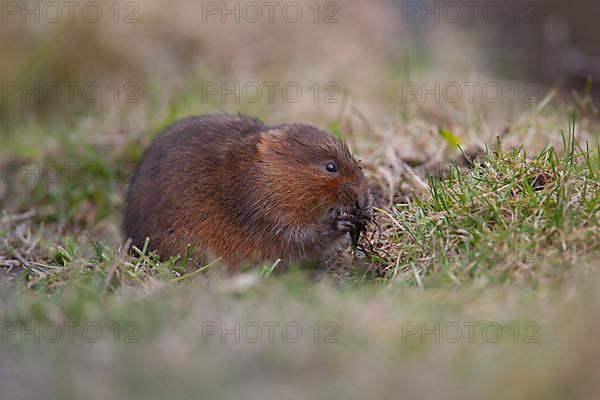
(344, 224)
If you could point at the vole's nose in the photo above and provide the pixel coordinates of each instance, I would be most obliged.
(357, 195)
(362, 199)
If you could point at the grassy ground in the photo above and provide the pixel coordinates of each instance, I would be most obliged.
(478, 278)
(484, 285)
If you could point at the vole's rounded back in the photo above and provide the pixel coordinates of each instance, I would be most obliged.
(233, 187)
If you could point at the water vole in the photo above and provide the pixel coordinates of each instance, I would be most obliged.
(236, 188)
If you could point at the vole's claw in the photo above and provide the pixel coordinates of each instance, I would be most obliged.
(344, 224)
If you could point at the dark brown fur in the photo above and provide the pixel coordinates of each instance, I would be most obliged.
(236, 188)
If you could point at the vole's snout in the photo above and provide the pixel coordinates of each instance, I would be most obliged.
(362, 200)
(358, 196)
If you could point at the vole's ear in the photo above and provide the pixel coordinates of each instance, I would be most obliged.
(272, 141)
(276, 133)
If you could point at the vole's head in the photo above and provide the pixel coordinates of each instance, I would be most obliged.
(312, 174)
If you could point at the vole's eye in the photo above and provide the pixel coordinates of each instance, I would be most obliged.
(331, 167)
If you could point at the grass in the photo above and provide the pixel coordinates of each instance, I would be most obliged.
(508, 218)
(506, 244)
(504, 218)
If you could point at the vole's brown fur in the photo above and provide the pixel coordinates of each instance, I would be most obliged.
(236, 188)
